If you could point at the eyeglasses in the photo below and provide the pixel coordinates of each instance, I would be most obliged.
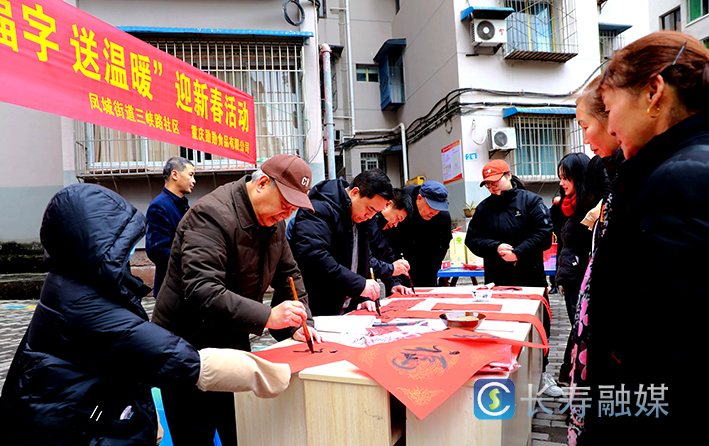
(489, 184)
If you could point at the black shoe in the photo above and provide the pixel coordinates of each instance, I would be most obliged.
(553, 290)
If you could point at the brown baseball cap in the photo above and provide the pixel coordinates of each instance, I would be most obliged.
(493, 171)
(292, 176)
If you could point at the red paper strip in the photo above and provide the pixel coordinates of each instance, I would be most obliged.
(443, 306)
(457, 334)
(432, 295)
(524, 296)
(423, 372)
(59, 59)
(299, 357)
(392, 308)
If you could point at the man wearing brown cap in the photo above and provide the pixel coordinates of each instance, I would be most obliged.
(228, 248)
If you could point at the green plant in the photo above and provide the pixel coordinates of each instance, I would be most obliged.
(470, 205)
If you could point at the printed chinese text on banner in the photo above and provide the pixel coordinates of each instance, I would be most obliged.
(61, 60)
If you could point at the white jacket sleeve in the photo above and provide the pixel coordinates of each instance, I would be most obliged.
(228, 370)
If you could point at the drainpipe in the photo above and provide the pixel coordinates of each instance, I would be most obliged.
(329, 123)
(404, 154)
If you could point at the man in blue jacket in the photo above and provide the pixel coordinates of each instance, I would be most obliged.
(331, 244)
(165, 212)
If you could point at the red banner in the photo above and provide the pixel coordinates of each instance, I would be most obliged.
(61, 60)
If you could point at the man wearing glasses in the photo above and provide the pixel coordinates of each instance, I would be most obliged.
(228, 248)
(331, 244)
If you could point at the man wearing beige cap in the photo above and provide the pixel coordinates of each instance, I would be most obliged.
(228, 248)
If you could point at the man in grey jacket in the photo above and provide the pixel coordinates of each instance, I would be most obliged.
(228, 248)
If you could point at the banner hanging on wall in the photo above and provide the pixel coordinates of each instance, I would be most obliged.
(61, 60)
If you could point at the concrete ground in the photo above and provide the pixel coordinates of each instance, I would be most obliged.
(547, 429)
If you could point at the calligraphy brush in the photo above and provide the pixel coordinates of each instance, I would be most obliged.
(376, 301)
(306, 332)
(409, 276)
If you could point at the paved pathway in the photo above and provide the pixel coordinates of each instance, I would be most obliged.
(547, 429)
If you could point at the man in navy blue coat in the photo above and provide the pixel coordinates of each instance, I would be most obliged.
(165, 212)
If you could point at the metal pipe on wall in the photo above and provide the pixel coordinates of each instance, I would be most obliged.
(325, 52)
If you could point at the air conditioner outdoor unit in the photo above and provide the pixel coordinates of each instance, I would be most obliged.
(486, 32)
(503, 139)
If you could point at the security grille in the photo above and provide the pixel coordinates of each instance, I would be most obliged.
(272, 72)
(609, 42)
(370, 161)
(541, 30)
(541, 143)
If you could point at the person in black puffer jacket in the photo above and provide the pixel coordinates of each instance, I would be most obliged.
(510, 230)
(82, 374)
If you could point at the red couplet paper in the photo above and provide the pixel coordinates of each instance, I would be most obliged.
(524, 296)
(422, 372)
(443, 306)
(299, 357)
(391, 309)
(457, 334)
(58, 59)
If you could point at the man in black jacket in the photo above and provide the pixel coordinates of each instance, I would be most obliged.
(330, 244)
(382, 256)
(423, 238)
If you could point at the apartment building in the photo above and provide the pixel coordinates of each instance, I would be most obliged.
(419, 88)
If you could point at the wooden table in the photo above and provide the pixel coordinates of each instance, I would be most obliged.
(337, 404)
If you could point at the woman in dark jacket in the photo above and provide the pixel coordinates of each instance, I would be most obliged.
(83, 371)
(655, 222)
(573, 238)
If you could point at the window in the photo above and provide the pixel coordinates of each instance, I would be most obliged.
(367, 73)
(322, 9)
(697, 8)
(270, 71)
(370, 161)
(609, 42)
(541, 30)
(542, 140)
(390, 58)
(672, 21)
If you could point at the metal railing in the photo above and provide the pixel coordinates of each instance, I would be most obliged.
(272, 72)
(542, 30)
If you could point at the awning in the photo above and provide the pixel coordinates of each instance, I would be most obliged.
(490, 13)
(507, 112)
(391, 149)
(388, 46)
(618, 28)
(242, 32)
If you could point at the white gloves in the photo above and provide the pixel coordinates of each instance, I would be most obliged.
(228, 370)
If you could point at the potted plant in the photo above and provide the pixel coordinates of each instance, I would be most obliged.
(469, 209)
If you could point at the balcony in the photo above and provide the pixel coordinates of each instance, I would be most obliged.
(542, 30)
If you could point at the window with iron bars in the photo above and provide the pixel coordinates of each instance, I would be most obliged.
(370, 161)
(541, 30)
(609, 42)
(541, 143)
(270, 71)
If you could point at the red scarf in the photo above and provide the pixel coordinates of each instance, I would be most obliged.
(568, 205)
